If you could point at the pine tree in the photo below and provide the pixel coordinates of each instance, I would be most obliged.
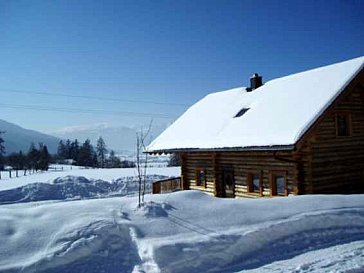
(44, 157)
(74, 150)
(2, 147)
(61, 151)
(101, 152)
(87, 155)
(12, 160)
(33, 155)
(2, 151)
(68, 149)
(127, 164)
(17, 161)
(22, 161)
(113, 161)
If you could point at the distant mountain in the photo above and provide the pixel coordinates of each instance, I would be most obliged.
(17, 138)
(117, 138)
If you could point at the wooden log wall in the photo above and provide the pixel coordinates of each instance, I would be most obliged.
(335, 164)
(263, 164)
(194, 162)
(304, 167)
(322, 163)
(242, 164)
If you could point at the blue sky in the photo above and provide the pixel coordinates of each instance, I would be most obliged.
(160, 51)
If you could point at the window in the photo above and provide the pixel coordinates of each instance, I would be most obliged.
(343, 124)
(241, 112)
(228, 181)
(254, 183)
(278, 184)
(201, 178)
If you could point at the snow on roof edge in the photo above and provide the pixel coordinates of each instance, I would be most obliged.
(327, 105)
(229, 149)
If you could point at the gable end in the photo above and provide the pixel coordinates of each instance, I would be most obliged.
(357, 82)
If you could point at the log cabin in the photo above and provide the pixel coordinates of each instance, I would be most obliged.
(299, 134)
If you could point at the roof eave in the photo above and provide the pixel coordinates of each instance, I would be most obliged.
(226, 149)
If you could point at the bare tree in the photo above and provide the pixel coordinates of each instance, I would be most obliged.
(142, 165)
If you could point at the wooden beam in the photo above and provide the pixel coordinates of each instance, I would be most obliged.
(214, 168)
(183, 173)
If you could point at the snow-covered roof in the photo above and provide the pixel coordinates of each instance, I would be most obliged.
(279, 112)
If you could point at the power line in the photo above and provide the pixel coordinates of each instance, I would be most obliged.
(89, 97)
(85, 111)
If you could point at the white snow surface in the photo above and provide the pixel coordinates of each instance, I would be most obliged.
(185, 231)
(76, 187)
(279, 112)
(91, 174)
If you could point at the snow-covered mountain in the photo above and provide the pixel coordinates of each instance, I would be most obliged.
(117, 138)
(17, 138)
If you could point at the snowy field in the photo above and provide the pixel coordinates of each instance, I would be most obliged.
(179, 232)
(103, 174)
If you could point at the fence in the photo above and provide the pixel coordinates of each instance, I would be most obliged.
(167, 185)
(10, 173)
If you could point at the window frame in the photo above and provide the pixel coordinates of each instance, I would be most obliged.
(250, 185)
(272, 183)
(347, 116)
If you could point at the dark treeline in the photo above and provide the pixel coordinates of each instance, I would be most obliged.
(68, 152)
(36, 159)
(2, 151)
(88, 156)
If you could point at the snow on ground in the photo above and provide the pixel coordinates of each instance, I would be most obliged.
(104, 174)
(180, 232)
(75, 187)
(339, 258)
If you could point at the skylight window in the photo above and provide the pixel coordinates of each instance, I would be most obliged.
(241, 112)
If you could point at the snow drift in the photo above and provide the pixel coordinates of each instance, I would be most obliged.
(184, 232)
(75, 187)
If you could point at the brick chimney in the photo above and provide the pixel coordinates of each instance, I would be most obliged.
(255, 82)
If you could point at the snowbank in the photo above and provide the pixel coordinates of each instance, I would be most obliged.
(181, 232)
(103, 174)
(75, 187)
(184, 232)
